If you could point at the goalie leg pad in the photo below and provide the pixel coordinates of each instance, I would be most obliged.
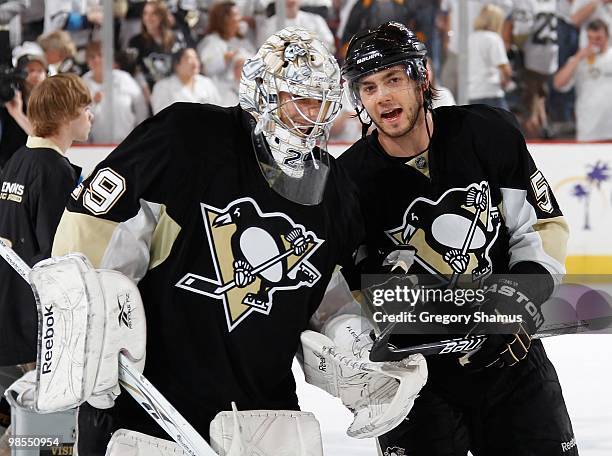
(265, 433)
(132, 443)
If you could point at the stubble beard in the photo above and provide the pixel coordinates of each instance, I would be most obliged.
(413, 118)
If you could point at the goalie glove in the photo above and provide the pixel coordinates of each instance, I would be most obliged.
(86, 317)
(507, 343)
(380, 395)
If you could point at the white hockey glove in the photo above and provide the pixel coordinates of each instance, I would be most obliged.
(265, 433)
(132, 443)
(86, 317)
(380, 395)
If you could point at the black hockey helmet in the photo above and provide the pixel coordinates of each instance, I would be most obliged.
(387, 45)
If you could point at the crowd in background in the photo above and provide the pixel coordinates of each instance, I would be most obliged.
(548, 61)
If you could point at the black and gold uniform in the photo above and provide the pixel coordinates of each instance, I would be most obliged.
(474, 204)
(230, 272)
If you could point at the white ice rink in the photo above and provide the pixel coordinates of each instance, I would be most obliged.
(584, 366)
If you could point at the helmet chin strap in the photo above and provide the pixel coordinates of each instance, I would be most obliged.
(364, 126)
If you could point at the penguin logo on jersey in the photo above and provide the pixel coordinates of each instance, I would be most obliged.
(255, 254)
(394, 451)
(452, 235)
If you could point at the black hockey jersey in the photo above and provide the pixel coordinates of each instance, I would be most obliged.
(35, 185)
(473, 204)
(182, 207)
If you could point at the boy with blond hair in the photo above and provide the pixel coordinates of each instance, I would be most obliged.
(35, 185)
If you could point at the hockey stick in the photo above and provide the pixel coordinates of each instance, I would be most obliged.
(149, 398)
(212, 288)
(382, 350)
(262, 267)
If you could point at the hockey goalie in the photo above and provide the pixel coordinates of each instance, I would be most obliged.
(231, 222)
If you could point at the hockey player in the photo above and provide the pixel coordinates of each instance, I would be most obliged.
(458, 184)
(231, 220)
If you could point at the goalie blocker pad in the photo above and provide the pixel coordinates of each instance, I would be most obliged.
(380, 395)
(86, 317)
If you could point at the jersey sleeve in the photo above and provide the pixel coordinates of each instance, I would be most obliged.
(536, 227)
(118, 216)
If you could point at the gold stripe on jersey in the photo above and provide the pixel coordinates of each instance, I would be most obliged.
(83, 233)
(554, 233)
(166, 232)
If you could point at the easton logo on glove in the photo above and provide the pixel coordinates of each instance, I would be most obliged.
(507, 343)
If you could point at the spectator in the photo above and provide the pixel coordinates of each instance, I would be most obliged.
(32, 20)
(129, 104)
(312, 22)
(186, 84)
(155, 45)
(35, 186)
(60, 53)
(424, 14)
(533, 28)
(82, 19)
(590, 71)
(224, 50)
(585, 11)
(131, 24)
(448, 23)
(14, 124)
(368, 14)
(489, 69)
(560, 106)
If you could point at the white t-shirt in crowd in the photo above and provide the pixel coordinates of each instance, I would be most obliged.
(593, 82)
(211, 51)
(171, 90)
(538, 21)
(474, 6)
(603, 12)
(129, 108)
(486, 52)
(314, 23)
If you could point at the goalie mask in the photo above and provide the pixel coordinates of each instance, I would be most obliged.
(292, 89)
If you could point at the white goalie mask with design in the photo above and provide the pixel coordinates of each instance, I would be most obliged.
(292, 89)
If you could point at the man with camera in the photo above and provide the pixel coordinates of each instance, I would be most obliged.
(13, 122)
(18, 83)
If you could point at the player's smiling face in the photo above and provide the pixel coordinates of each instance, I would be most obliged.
(300, 113)
(392, 99)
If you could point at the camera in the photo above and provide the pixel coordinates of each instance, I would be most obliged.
(11, 79)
